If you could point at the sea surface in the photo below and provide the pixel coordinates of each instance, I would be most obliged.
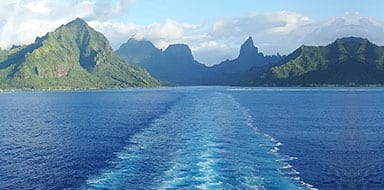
(193, 138)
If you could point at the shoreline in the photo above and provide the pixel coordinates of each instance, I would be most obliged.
(202, 86)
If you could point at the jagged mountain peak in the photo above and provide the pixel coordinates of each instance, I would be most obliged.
(77, 22)
(79, 28)
(248, 48)
(249, 41)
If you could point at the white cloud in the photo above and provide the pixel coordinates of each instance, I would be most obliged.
(276, 22)
(162, 34)
(348, 24)
(21, 21)
(214, 42)
(39, 7)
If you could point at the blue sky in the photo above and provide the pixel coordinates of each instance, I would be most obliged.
(213, 29)
(195, 11)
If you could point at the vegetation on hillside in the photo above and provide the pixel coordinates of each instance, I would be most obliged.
(348, 61)
(74, 56)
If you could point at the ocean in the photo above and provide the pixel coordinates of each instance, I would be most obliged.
(193, 138)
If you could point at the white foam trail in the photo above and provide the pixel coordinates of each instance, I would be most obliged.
(275, 149)
(192, 128)
(284, 165)
(287, 166)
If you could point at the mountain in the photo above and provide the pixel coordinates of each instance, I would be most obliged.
(174, 65)
(74, 56)
(249, 57)
(138, 51)
(178, 60)
(177, 65)
(236, 71)
(347, 61)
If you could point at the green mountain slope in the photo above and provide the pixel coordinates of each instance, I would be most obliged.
(74, 56)
(347, 61)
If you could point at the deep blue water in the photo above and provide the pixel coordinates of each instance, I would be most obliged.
(193, 138)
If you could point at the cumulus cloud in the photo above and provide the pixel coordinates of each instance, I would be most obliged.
(348, 24)
(21, 21)
(162, 34)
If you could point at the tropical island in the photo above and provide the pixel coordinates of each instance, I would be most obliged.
(75, 56)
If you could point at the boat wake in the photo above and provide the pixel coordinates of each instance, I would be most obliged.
(207, 140)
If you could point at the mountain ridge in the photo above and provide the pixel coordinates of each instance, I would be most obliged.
(349, 61)
(180, 68)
